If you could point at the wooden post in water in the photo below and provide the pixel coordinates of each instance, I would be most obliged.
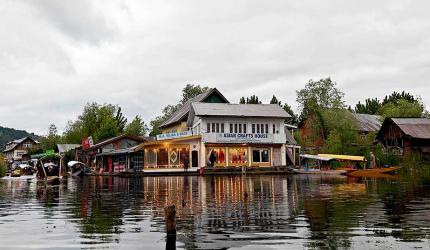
(170, 221)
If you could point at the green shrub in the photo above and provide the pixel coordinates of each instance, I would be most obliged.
(3, 166)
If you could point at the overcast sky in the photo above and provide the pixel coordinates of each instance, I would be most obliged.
(57, 55)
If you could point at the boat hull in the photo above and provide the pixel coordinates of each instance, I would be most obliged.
(372, 172)
(321, 172)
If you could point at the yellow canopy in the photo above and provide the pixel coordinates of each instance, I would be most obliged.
(344, 157)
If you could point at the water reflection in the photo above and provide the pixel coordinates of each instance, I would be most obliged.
(214, 212)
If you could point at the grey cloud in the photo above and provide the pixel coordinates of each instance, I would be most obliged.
(81, 20)
(140, 54)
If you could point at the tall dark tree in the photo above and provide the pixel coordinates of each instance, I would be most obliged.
(371, 106)
(275, 100)
(242, 100)
(396, 97)
(294, 120)
(250, 100)
(120, 120)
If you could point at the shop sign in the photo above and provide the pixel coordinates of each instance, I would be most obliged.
(87, 142)
(244, 138)
(174, 135)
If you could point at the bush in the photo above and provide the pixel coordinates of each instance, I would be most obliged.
(3, 166)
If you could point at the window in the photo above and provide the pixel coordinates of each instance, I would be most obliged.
(137, 161)
(217, 127)
(218, 154)
(231, 128)
(244, 128)
(253, 128)
(267, 128)
(222, 127)
(238, 156)
(213, 127)
(235, 128)
(258, 128)
(261, 155)
(262, 128)
(150, 158)
(208, 127)
(240, 128)
(274, 128)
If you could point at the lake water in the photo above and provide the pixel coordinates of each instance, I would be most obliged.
(278, 212)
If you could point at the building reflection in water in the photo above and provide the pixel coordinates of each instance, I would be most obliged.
(214, 212)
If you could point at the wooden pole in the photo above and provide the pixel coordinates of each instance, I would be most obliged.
(170, 219)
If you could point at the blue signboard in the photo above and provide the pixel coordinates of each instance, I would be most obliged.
(174, 135)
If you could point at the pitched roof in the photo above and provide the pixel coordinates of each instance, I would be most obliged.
(62, 148)
(184, 110)
(239, 110)
(414, 127)
(368, 123)
(18, 142)
(102, 143)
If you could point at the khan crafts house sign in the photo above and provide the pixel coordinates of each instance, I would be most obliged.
(244, 138)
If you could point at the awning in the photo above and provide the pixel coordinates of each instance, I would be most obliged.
(168, 141)
(316, 157)
(344, 157)
(119, 151)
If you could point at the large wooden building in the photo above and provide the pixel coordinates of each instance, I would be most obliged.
(409, 136)
(17, 150)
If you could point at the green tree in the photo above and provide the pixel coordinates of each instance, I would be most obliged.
(120, 120)
(402, 108)
(371, 106)
(275, 100)
(108, 129)
(51, 140)
(3, 166)
(191, 91)
(136, 127)
(99, 121)
(250, 100)
(395, 97)
(294, 118)
(342, 131)
(322, 94)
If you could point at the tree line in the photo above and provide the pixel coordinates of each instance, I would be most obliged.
(320, 98)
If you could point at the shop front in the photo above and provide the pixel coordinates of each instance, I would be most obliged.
(249, 155)
(172, 154)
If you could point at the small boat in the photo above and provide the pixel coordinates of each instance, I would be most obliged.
(77, 168)
(48, 173)
(26, 169)
(373, 172)
(16, 172)
(317, 168)
(318, 171)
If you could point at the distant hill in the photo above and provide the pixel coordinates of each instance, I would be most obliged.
(10, 134)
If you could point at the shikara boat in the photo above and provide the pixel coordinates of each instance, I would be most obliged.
(48, 173)
(77, 168)
(373, 172)
(16, 172)
(317, 167)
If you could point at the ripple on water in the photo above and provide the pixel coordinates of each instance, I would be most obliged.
(293, 212)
